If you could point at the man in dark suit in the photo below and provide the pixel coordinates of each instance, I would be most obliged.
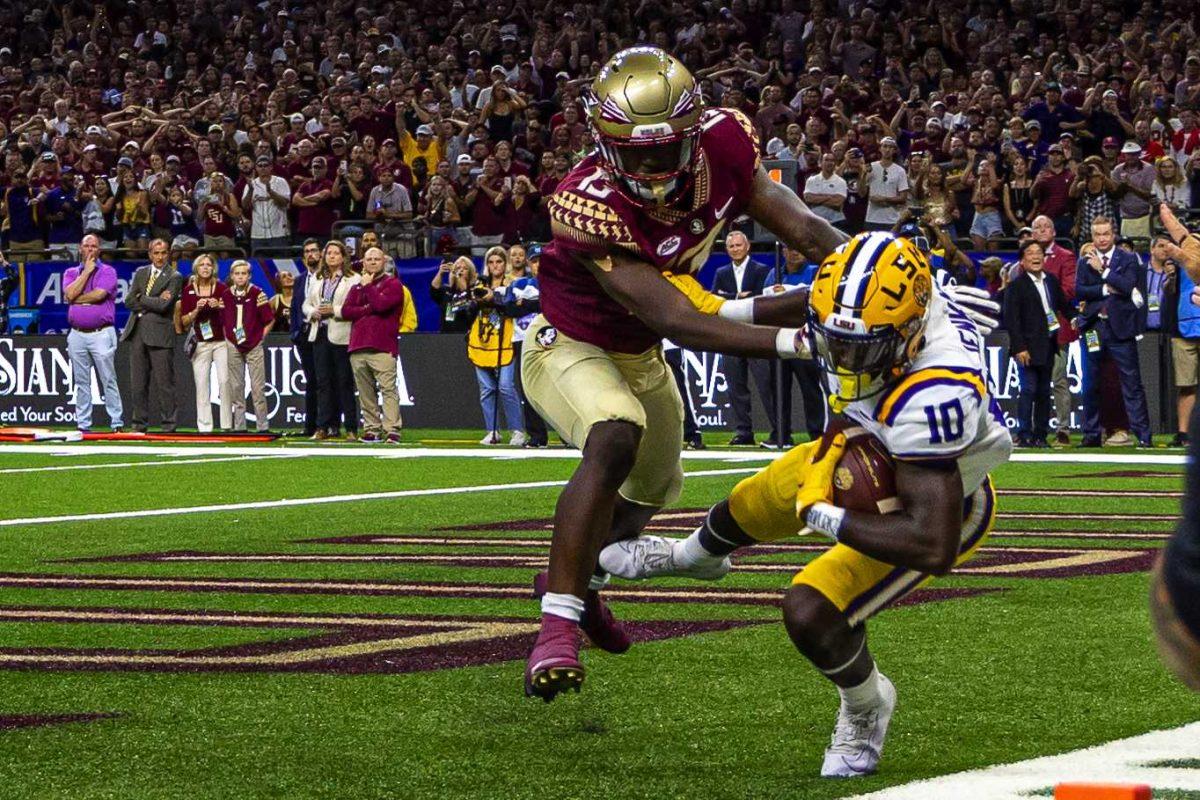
(299, 333)
(1031, 304)
(1107, 281)
(151, 333)
(745, 278)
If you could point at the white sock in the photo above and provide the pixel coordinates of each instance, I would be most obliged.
(864, 696)
(690, 553)
(598, 582)
(567, 606)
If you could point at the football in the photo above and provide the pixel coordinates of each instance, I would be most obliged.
(865, 477)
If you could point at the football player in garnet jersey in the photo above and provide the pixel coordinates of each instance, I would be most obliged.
(631, 223)
(905, 362)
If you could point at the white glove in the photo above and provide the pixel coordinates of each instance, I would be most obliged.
(977, 304)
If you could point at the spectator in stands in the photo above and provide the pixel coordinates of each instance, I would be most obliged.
(490, 349)
(1054, 189)
(1134, 179)
(934, 202)
(744, 277)
(351, 190)
(99, 214)
(316, 208)
(1018, 195)
(885, 188)
(329, 332)
(797, 274)
(1096, 193)
(200, 307)
(489, 203)
(825, 191)
(133, 212)
(522, 217)
(220, 213)
(248, 319)
(1031, 307)
(90, 290)
(150, 332)
(374, 306)
(299, 330)
(522, 302)
(1109, 323)
(1170, 187)
(64, 212)
(265, 199)
(439, 211)
(389, 207)
(987, 225)
(1059, 263)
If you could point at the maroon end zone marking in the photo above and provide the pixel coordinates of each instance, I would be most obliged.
(9, 722)
(1127, 473)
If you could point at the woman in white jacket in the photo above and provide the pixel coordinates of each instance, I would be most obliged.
(324, 295)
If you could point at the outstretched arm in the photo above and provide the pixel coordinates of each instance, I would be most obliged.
(642, 289)
(785, 215)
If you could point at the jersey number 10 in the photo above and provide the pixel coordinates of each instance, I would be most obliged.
(945, 421)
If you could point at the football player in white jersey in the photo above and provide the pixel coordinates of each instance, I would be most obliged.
(905, 362)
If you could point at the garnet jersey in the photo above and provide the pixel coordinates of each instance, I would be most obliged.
(590, 217)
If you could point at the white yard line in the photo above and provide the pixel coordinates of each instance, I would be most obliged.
(513, 454)
(311, 501)
(127, 464)
(1122, 761)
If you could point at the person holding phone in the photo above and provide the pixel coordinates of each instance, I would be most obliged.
(451, 290)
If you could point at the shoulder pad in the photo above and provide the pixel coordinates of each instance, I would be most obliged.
(588, 220)
(738, 124)
(931, 414)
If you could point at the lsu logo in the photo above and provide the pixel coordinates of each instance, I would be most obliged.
(843, 479)
(668, 246)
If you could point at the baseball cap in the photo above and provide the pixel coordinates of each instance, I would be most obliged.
(424, 130)
(465, 159)
(318, 161)
(1066, 135)
(94, 129)
(133, 144)
(1053, 86)
(263, 161)
(1033, 123)
(854, 152)
(1109, 141)
(90, 147)
(296, 118)
(1130, 147)
(337, 141)
(229, 118)
(534, 251)
(774, 146)
(1055, 148)
(1110, 93)
(887, 140)
(1026, 231)
(387, 142)
(124, 161)
(499, 69)
(214, 129)
(561, 74)
(171, 158)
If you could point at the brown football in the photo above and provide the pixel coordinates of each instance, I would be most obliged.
(865, 477)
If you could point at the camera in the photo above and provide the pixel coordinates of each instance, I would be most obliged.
(479, 292)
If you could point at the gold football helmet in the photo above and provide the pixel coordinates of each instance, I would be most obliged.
(644, 108)
(867, 312)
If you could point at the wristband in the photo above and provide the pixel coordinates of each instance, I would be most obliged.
(786, 344)
(825, 519)
(738, 310)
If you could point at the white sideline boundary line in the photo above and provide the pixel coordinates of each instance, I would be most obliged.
(311, 501)
(1120, 761)
(127, 464)
(510, 454)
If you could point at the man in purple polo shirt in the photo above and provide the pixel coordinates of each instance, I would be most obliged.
(91, 290)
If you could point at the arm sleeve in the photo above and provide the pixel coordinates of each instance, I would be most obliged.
(1123, 279)
(352, 307)
(389, 297)
(1085, 288)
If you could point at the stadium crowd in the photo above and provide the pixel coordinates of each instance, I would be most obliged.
(229, 127)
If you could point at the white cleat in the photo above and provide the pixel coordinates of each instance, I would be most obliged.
(655, 557)
(857, 741)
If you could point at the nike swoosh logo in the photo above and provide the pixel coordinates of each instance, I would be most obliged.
(721, 211)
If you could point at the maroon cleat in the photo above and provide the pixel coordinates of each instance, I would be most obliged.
(553, 665)
(597, 623)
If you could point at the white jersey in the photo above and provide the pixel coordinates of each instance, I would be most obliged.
(942, 410)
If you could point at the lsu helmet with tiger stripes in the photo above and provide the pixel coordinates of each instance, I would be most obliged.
(867, 311)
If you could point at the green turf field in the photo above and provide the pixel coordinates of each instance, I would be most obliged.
(372, 646)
